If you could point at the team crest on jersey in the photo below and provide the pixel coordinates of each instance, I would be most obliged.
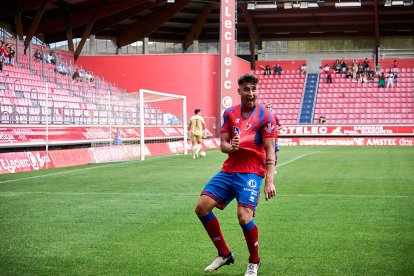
(269, 128)
(236, 130)
(247, 126)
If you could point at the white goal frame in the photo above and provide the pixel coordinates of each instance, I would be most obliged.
(155, 96)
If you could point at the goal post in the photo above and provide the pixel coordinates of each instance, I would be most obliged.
(160, 109)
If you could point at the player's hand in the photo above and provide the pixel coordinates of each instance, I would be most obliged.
(235, 142)
(269, 191)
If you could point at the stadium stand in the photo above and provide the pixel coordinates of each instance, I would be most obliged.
(24, 100)
(284, 92)
(345, 101)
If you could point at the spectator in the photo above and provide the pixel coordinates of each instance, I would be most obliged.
(329, 76)
(326, 69)
(277, 70)
(337, 66)
(12, 55)
(7, 55)
(266, 69)
(395, 78)
(366, 65)
(1, 61)
(76, 76)
(354, 68)
(349, 73)
(322, 120)
(343, 66)
(303, 69)
(395, 66)
(381, 81)
(390, 80)
(37, 55)
(378, 69)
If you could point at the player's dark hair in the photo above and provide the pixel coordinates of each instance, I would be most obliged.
(197, 111)
(247, 78)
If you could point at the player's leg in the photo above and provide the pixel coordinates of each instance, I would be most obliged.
(210, 222)
(248, 192)
(199, 145)
(276, 154)
(215, 194)
(193, 145)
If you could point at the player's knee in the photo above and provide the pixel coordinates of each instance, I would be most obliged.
(244, 215)
(201, 210)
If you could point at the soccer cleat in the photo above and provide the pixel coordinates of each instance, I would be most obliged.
(219, 262)
(252, 269)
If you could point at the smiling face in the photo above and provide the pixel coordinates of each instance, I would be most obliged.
(248, 95)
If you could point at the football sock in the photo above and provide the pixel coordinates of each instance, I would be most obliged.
(251, 234)
(212, 226)
(198, 148)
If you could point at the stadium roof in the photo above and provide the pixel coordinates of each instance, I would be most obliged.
(127, 21)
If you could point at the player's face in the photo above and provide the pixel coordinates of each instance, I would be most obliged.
(248, 95)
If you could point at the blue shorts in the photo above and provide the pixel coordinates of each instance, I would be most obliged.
(224, 187)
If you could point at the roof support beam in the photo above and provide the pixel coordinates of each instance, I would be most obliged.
(141, 29)
(85, 36)
(57, 24)
(377, 38)
(253, 32)
(68, 29)
(35, 24)
(197, 26)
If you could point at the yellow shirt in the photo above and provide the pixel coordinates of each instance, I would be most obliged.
(196, 124)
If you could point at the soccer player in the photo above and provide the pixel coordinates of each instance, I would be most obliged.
(269, 107)
(196, 126)
(248, 137)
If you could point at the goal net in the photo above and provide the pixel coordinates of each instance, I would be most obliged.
(141, 124)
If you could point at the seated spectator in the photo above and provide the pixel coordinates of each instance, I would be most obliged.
(278, 70)
(322, 120)
(12, 55)
(303, 69)
(37, 55)
(349, 73)
(378, 69)
(381, 81)
(266, 69)
(61, 69)
(343, 66)
(371, 76)
(329, 76)
(337, 66)
(76, 76)
(1, 61)
(326, 69)
(366, 64)
(390, 80)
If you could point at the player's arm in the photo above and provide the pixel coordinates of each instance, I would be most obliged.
(269, 187)
(228, 145)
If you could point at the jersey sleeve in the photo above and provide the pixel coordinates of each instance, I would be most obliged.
(226, 128)
(269, 126)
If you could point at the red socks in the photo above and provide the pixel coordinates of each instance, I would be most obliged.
(212, 226)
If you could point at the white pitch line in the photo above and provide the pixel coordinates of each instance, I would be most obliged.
(190, 194)
(296, 158)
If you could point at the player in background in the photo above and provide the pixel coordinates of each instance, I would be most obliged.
(196, 126)
(248, 138)
(269, 107)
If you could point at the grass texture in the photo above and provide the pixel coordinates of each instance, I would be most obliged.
(339, 211)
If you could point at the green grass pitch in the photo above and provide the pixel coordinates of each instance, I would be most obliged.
(339, 211)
